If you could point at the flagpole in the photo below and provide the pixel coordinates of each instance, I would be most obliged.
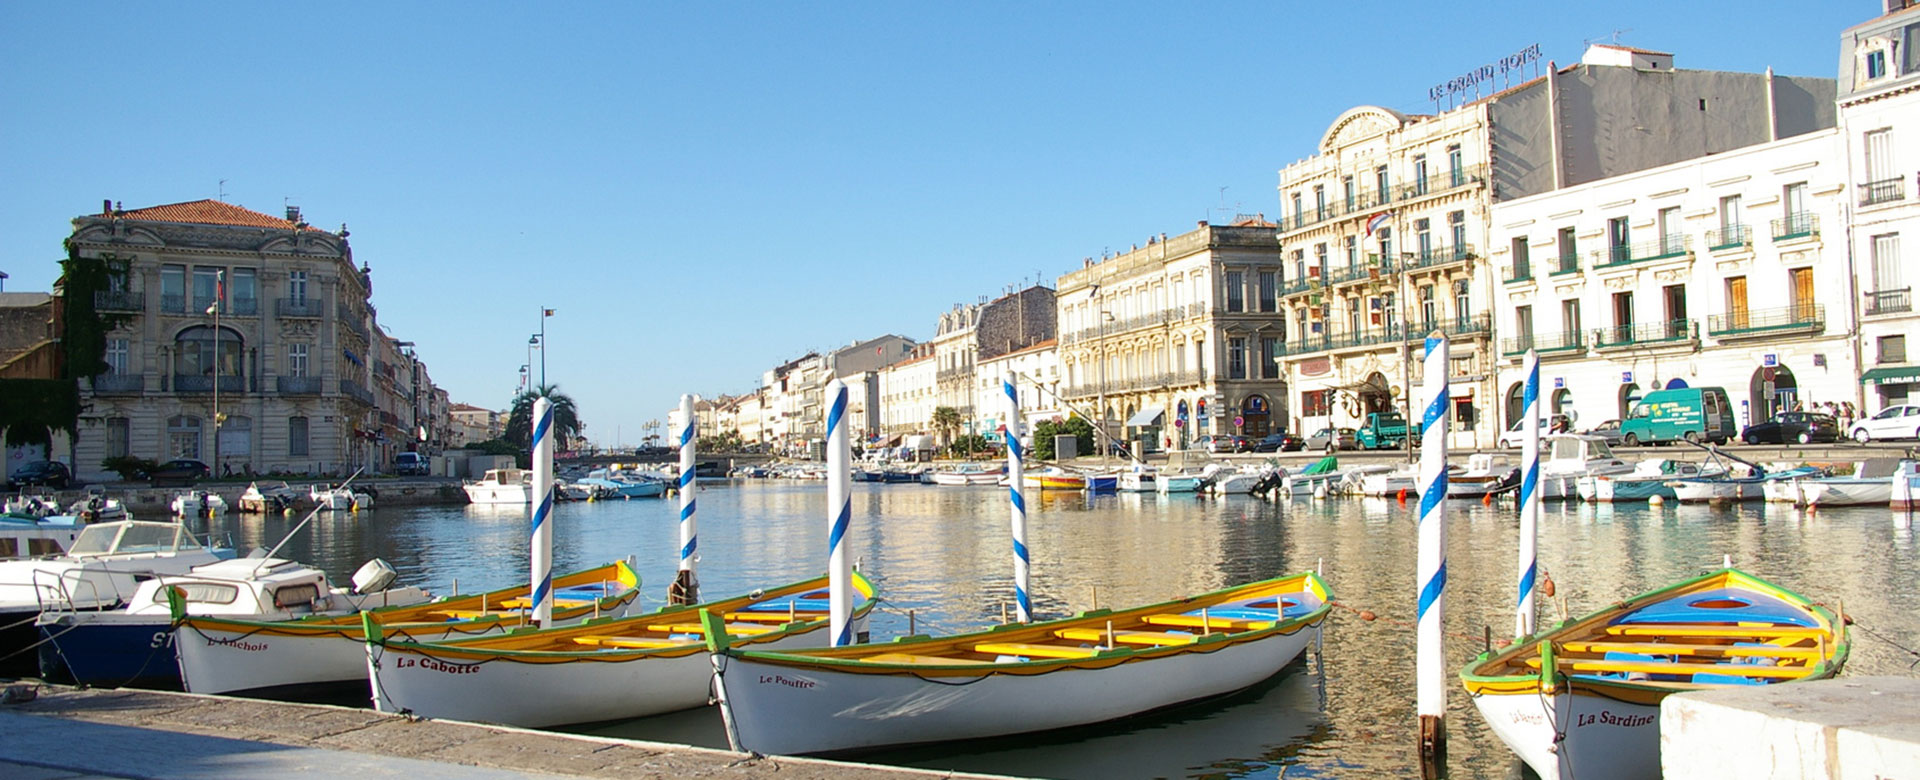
(219, 283)
(544, 314)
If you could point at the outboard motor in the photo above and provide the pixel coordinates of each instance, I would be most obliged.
(374, 576)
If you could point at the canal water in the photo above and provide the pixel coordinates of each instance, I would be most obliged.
(944, 554)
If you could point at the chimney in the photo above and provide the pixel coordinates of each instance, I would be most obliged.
(293, 214)
(106, 206)
(1203, 224)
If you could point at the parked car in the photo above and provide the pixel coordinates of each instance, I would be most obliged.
(51, 473)
(410, 464)
(1609, 430)
(1894, 422)
(1513, 437)
(1333, 438)
(1802, 427)
(1222, 442)
(1279, 442)
(181, 471)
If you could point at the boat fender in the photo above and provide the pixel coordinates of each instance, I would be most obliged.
(1011, 659)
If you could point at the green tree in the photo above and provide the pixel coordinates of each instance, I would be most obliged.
(946, 422)
(966, 446)
(1045, 430)
(566, 419)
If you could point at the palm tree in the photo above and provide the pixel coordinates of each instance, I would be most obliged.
(946, 420)
(566, 419)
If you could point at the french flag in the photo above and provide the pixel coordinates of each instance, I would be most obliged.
(1374, 222)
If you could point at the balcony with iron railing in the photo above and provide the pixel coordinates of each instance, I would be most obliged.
(1800, 224)
(1519, 272)
(1434, 257)
(297, 385)
(119, 383)
(1874, 193)
(241, 307)
(1566, 263)
(1564, 342)
(173, 304)
(119, 300)
(354, 327)
(1671, 245)
(299, 307)
(1646, 334)
(1810, 318)
(202, 383)
(1729, 237)
(1297, 285)
(1889, 301)
(1369, 200)
(353, 390)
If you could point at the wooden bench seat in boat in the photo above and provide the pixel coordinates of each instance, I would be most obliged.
(475, 614)
(1031, 649)
(911, 658)
(1668, 648)
(558, 603)
(1710, 630)
(1158, 638)
(780, 618)
(1210, 622)
(629, 642)
(1658, 667)
(696, 628)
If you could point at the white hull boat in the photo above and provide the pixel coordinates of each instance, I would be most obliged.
(1165, 483)
(501, 486)
(1018, 678)
(1389, 483)
(1870, 483)
(1486, 472)
(198, 503)
(340, 499)
(606, 670)
(1572, 456)
(233, 656)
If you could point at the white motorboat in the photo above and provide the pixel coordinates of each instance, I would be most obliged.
(23, 536)
(267, 497)
(100, 570)
(1870, 483)
(116, 648)
(1176, 482)
(340, 499)
(966, 474)
(1138, 479)
(1486, 472)
(198, 503)
(1649, 478)
(98, 509)
(1387, 482)
(501, 486)
(31, 505)
(1570, 456)
(1224, 480)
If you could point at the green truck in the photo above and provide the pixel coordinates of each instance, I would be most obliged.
(1384, 431)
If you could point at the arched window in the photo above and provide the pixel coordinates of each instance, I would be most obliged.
(194, 362)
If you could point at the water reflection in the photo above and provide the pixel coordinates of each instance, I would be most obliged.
(945, 554)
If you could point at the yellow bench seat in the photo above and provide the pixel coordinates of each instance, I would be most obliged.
(911, 658)
(1662, 648)
(1031, 649)
(523, 602)
(476, 614)
(696, 628)
(1157, 638)
(1717, 631)
(628, 642)
(1660, 667)
(1213, 623)
(780, 618)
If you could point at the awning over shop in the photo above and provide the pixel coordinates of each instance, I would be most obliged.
(1891, 376)
(1145, 417)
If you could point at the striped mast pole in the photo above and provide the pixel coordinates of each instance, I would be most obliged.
(686, 584)
(1531, 508)
(1016, 495)
(840, 515)
(1430, 666)
(541, 555)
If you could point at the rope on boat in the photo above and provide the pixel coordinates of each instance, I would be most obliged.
(1853, 621)
(1370, 616)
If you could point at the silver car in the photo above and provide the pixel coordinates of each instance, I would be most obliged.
(1893, 422)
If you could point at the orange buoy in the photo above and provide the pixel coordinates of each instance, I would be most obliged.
(1367, 614)
(1486, 499)
(1403, 495)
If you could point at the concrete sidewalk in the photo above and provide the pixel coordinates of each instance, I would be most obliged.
(69, 733)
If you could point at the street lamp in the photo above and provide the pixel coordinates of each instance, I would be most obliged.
(533, 343)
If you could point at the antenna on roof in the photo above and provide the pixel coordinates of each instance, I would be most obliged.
(222, 196)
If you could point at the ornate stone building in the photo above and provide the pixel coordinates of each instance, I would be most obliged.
(302, 378)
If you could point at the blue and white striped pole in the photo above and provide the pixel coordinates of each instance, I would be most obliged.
(839, 516)
(1530, 499)
(541, 580)
(1431, 666)
(686, 583)
(1016, 493)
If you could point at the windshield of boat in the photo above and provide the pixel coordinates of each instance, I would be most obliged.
(130, 538)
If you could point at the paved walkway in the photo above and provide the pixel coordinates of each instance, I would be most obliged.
(67, 733)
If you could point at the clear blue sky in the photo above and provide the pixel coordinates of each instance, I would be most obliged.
(704, 190)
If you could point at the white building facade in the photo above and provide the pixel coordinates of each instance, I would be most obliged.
(1729, 270)
(1879, 105)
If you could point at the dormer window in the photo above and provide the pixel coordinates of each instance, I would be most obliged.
(1876, 64)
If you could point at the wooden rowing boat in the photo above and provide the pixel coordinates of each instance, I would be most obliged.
(599, 670)
(1015, 678)
(1597, 713)
(268, 658)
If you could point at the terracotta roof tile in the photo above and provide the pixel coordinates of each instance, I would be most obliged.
(208, 212)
